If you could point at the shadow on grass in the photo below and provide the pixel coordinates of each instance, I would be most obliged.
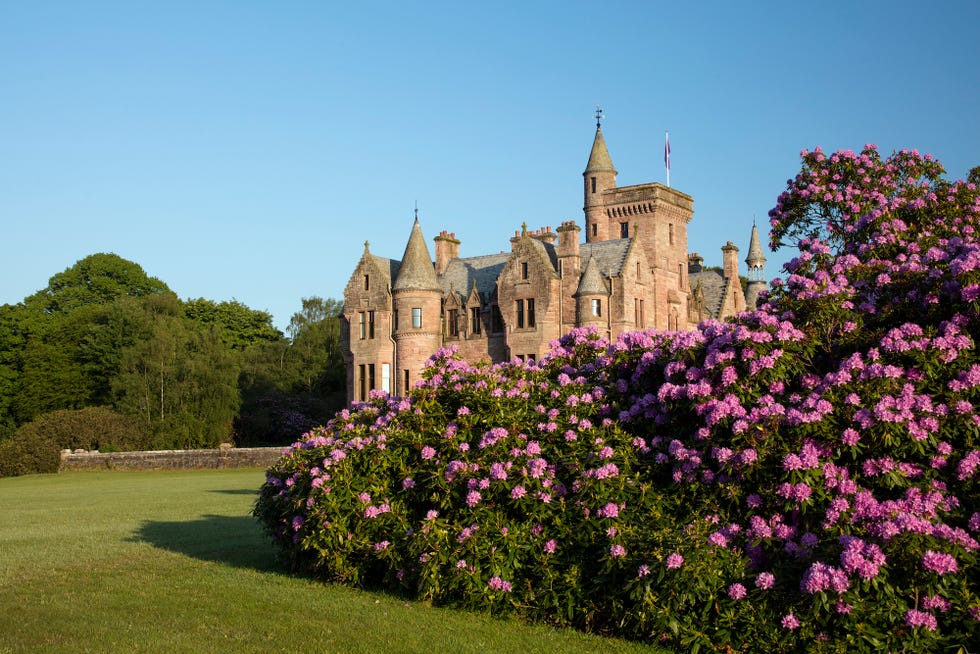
(232, 540)
(237, 491)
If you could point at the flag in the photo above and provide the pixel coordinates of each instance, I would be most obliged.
(667, 155)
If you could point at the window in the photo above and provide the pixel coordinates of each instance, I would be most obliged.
(524, 270)
(452, 322)
(624, 230)
(670, 233)
(496, 319)
(595, 229)
(638, 312)
(475, 326)
(520, 313)
(417, 317)
(386, 377)
(637, 271)
(406, 386)
(370, 377)
(362, 324)
(395, 319)
(367, 282)
(680, 275)
(530, 312)
(596, 307)
(370, 324)
(593, 184)
(361, 389)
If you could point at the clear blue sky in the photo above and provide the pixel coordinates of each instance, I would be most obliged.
(246, 150)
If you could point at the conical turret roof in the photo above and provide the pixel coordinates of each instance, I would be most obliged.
(599, 160)
(417, 272)
(591, 282)
(755, 257)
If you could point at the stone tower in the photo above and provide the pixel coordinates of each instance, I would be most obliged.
(599, 176)
(756, 262)
(417, 303)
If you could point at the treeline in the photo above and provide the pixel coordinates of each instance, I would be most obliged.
(106, 357)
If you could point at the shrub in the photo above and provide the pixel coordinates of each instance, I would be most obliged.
(36, 447)
(802, 477)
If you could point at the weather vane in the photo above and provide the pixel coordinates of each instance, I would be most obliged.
(598, 115)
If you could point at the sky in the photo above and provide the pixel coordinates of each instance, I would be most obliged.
(246, 150)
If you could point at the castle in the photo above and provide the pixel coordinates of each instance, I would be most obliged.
(632, 272)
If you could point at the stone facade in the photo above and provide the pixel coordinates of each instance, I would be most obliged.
(633, 271)
(214, 459)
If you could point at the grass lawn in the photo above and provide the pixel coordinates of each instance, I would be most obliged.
(172, 562)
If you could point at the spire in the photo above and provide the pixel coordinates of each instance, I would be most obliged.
(756, 260)
(591, 282)
(599, 160)
(417, 272)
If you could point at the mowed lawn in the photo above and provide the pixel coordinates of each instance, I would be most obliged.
(173, 562)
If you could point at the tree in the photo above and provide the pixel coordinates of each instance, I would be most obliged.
(96, 279)
(237, 325)
(181, 380)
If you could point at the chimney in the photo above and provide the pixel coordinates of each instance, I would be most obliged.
(730, 260)
(447, 249)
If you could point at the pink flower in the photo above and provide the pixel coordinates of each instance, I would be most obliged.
(550, 546)
(674, 561)
(790, 622)
(938, 562)
(765, 580)
(617, 551)
(736, 591)
(915, 618)
(428, 452)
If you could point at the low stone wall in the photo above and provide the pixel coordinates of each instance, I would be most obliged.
(223, 457)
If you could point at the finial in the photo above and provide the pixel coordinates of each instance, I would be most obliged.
(524, 228)
(416, 211)
(367, 245)
(598, 116)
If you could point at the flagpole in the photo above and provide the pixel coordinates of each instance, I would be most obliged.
(667, 155)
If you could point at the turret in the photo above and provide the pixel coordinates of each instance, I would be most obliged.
(756, 261)
(599, 176)
(592, 297)
(417, 300)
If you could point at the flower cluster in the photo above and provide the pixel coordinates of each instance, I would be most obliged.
(804, 476)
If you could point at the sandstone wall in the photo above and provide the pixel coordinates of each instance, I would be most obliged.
(226, 457)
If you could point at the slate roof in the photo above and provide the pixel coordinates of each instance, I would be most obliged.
(416, 272)
(592, 282)
(714, 287)
(609, 255)
(460, 275)
(599, 159)
(389, 268)
(755, 257)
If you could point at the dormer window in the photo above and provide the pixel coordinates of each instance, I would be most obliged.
(524, 270)
(367, 282)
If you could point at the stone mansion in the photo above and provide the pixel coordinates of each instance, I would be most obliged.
(632, 272)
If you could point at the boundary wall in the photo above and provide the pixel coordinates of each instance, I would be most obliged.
(220, 458)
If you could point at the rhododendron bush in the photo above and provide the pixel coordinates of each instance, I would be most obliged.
(805, 476)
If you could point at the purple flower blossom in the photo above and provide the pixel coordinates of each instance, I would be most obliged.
(617, 551)
(736, 591)
(550, 546)
(765, 580)
(498, 584)
(674, 561)
(428, 452)
(939, 562)
(790, 622)
(915, 618)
